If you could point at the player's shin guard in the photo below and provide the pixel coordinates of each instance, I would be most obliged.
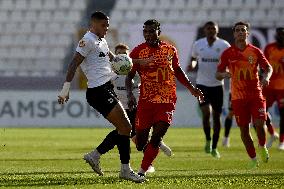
(108, 143)
(150, 154)
(123, 145)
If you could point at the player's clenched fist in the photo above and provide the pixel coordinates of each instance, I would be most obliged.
(64, 93)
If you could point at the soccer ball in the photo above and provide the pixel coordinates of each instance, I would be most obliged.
(121, 64)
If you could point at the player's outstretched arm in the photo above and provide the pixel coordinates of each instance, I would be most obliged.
(129, 90)
(180, 75)
(266, 75)
(222, 75)
(64, 93)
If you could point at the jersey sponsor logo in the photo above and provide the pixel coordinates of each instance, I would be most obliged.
(277, 68)
(250, 59)
(102, 54)
(244, 74)
(164, 73)
(82, 43)
(209, 59)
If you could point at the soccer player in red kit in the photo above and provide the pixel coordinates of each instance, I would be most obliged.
(242, 61)
(274, 52)
(157, 98)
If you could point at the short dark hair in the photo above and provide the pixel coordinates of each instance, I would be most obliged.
(153, 22)
(242, 23)
(210, 23)
(98, 15)
(121, 46)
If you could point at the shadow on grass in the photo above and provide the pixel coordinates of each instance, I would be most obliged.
(89, 178)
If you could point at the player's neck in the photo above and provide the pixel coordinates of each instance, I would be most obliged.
(211, 40)
(241, 44)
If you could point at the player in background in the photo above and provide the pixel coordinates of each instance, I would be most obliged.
(228, 123)
(120, 90)
(242, 61)
(93, 48)
(207, 51)
(274, 52)
(157, 98)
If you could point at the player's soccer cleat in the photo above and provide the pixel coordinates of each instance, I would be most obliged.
(264, 154)
(167, 150)
(151, 169)
(208, 147)
(273, 138)
(215, 153)
(94, 162)
(129, 174)
(226, 142)
(281, 146)
(253, 164)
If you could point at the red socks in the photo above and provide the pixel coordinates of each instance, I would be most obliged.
(149, 155)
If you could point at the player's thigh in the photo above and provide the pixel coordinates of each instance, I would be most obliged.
(242, 112)
(258, 110)
(119, 119)
(159, 130)
(280, 99)
(216, 98)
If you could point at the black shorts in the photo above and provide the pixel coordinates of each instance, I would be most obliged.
(212, 96)
(102, 98)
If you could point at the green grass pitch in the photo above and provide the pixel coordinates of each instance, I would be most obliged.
(52, 158)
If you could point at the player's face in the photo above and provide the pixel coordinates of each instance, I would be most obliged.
(100, 27)
(211, 31)
(241, 33)
(151, 34)
(121, 51)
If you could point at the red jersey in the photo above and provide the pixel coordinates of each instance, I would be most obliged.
(243, 66)
(275, 56)
(157, 77)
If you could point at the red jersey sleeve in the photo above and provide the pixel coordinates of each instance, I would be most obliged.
(266, 51)
(175, 59)
(224, 62)
(263, 62)
(134, 53)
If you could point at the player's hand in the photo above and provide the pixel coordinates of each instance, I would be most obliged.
(198, 94)
(264, 82)
(226, 75)
(64, 93)
(132, 104)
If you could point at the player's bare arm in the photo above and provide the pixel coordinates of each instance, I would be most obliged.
(111, 55)
(223, 75)
(143, 61)
(129, 89)
(180, 75)
(192, 66)
(64, 93)
(266, 75)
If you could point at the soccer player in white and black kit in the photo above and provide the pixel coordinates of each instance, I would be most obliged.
(206, 52)
(93, 49)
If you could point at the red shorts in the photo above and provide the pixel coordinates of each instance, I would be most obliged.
(245, 109)
(273, 95)
(151, 113)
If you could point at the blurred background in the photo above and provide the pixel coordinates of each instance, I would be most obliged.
(38, 39)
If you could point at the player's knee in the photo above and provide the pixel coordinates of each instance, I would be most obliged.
(139, 146)
(156, 141)
(125, 130)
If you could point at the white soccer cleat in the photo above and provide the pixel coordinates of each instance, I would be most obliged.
(94, 162)
(281, 146)
(151, 169)
(273, 138)
(129, 174)
(167, 150)
(226, 142)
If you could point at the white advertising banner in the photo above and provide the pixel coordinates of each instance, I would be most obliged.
(40, 109)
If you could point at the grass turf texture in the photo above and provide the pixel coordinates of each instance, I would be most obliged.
(52, 158)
